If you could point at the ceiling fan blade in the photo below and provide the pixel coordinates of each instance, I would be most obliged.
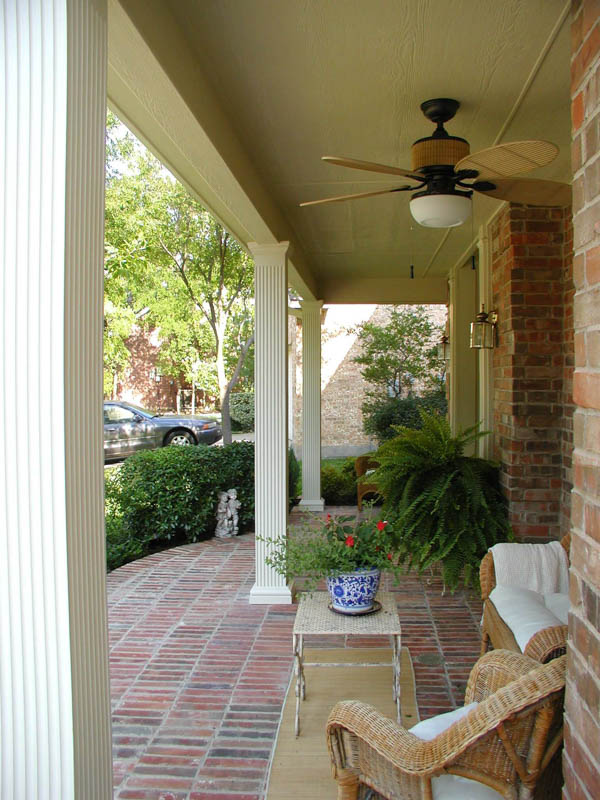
(371, 166)
(355, 196)
(530, 191)
(510, 158)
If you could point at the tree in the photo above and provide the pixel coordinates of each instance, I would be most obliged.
(195, 280)
(399, 358)
(400, 362)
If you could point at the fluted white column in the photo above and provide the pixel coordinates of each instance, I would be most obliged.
(311, 405)
(271, 397)
(54, 709)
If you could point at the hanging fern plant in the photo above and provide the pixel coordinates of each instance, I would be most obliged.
(445, 506)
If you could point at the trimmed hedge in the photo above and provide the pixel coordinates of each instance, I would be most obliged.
(338, 483)
(382, 417)
(241, 410)
(166, 497)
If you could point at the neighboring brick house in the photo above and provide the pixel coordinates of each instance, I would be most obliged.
(343, 389)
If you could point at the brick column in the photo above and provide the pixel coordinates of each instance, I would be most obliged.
(582, 729)
(531, 255)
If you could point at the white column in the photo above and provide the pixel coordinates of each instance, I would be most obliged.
(311, 405)
(463, 404)
(54, 699)
(486, 386)
(271, 395)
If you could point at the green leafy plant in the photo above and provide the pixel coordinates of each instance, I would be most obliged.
(241, 408)
(293, 474)
(383, 415)
(166, 497)
(338, 483)
(338, 545)
(445, 506)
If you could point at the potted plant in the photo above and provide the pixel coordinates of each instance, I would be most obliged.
(445, 506)
(349, 553)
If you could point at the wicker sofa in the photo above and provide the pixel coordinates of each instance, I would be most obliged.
(504, 746)
(547, 643)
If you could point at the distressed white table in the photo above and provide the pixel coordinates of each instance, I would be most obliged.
(314, 618)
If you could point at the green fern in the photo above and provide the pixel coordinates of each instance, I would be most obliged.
(446, 506)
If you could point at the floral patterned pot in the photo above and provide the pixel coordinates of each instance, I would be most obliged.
(354, 592)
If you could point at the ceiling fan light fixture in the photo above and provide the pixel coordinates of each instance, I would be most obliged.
(441, 210)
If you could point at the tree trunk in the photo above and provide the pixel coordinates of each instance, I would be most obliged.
(223, 384)
(225, 415)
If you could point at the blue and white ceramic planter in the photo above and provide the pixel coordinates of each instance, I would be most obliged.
(354, 592)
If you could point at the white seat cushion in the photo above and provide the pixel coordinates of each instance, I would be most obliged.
(455, 787)
(558, 603)
(452, 787)
(523, 611)
(430, 728)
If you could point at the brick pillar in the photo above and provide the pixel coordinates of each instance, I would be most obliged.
(582, 729)
(532, 362)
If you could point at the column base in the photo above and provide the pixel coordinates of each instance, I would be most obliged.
(270, 595)
(312, 505)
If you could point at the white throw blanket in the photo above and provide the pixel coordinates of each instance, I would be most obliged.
(543, 568)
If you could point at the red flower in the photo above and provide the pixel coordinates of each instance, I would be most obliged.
(381, 525)
(328, 517)
(349, 542)
(389, 556)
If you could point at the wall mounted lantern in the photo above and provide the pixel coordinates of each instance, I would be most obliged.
(483, 330)
(443, 348)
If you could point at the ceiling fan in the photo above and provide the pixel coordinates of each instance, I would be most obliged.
(444, 175)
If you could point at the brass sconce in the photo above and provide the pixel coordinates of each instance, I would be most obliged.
(443, 348)
(483, 330)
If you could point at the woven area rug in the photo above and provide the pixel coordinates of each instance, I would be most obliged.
(301, 767)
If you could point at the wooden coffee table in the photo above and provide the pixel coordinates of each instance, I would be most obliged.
(314, 618)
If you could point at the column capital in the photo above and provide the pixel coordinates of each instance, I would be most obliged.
(273, 254)
(311, 304)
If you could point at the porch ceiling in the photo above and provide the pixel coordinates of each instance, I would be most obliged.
(242, 98)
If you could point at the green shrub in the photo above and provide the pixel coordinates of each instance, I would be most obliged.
(445, 506)
(338, 483)
(169, 496)
(241, 409)
(293, 474)
(381, 417)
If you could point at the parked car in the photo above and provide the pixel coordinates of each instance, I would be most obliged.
(129, 428)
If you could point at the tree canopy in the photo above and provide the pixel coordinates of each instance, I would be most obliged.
(168, 258)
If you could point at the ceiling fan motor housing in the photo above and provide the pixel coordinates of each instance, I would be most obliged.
(438, 151)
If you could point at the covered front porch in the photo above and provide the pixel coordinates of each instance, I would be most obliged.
(199, 676)
(240, 101)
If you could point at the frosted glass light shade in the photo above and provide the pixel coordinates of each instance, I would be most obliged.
(441, 210)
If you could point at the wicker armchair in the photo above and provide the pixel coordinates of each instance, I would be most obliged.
(361, 466)
(506, 742)
(543, 646)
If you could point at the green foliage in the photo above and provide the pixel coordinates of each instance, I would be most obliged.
(401, 354)
(383, 415)
(164, 497)
(340, 544)
(241, 408)
(338, 483)
(445, 506)
(293, 474)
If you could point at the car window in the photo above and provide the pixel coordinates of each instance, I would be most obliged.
(113, 414)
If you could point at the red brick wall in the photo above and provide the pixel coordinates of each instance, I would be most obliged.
(532, 365)
(582, 728)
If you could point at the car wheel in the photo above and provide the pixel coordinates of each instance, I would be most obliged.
(180, 438)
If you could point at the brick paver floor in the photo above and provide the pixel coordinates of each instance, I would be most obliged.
(199, 676)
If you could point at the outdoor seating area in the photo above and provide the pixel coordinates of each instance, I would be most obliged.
(199, 677)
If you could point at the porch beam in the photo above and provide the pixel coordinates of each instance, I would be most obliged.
(463, 407)
(311, 406)
(54, 696)
(383, 291)
(271, 419)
